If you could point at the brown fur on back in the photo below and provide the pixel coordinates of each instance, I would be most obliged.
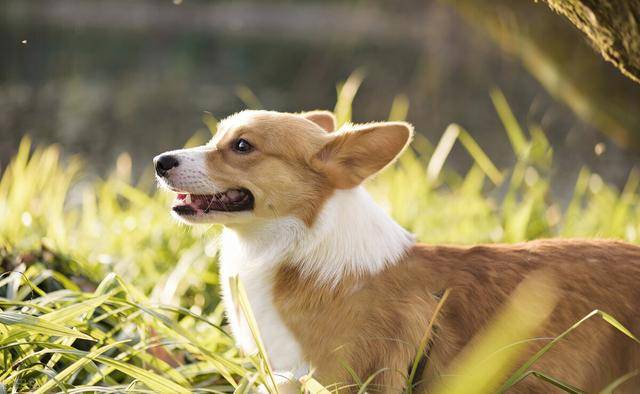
(376, 322)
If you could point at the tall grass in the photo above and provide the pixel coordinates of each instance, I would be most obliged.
(102, 291)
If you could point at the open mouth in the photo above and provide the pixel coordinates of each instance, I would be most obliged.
(232, 200)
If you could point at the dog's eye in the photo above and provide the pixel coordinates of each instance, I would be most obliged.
(242, 146)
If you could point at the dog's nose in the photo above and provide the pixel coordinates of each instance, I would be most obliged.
(164, 163)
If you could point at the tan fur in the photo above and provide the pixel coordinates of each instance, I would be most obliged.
(273, 167)
(376, 322)
(354, 156)
(296, 163)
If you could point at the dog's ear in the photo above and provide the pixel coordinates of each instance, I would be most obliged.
(325, 119)
(361, 151)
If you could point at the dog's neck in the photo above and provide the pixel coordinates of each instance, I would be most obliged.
(352, 235)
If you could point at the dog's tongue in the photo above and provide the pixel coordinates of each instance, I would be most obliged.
(230, 200)
(209, 201)
(203, 202)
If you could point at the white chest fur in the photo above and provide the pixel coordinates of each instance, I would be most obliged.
(352, 234)
(282, 348)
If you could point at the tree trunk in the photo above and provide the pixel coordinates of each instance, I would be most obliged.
(613, 26)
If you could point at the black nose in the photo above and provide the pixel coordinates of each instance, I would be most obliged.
(164, 163)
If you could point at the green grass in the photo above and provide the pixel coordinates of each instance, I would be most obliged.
(102, 291)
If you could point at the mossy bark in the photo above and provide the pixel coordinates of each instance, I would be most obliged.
(613, 26)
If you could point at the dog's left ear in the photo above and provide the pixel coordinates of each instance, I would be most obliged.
(354, 155)
(325, 119)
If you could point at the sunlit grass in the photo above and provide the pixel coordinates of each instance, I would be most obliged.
(103, 291)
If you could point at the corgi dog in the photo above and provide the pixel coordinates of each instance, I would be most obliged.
(339, 288)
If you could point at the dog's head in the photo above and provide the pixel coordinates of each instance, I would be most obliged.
(264, 164)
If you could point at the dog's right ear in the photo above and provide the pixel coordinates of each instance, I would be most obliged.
(325, 119)
(358, 152)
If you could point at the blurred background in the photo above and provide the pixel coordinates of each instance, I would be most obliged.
(524, 132)
(103, 77)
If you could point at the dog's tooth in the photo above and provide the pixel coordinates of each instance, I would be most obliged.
(233, 194)
(187, 199)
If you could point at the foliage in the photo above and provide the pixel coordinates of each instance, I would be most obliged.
(103, 291)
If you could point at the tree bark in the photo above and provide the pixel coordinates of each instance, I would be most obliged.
(613, 26)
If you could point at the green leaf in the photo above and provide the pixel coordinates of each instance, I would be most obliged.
(241, 301)
(346, 93)
(27, 324)
(153, 381)
(72, 311)
(514, 132)
(64, 374)
(611, 387)
(566, 387)
(521, 373)
(420, 354)
(480, 157)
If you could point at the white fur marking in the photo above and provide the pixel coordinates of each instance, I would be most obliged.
(253, 258)
(191, 173)
(352, 235)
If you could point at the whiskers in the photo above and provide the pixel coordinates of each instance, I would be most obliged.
(211, 202)
(272, 208)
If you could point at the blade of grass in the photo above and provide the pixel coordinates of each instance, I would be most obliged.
(152, 380)
(480, 157)
(225, 366)
(312, 386)
(527, 309)
(35, 325)
(346, 93)
(611, 387)
(510, 123)
(248, 97)
(442, 151)
(399, 108)
(210, 121)
(566, 387)
(71, 312)
(64, 374)
(520, 373)
(241, 301)
(425, 341)
(365, 385)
